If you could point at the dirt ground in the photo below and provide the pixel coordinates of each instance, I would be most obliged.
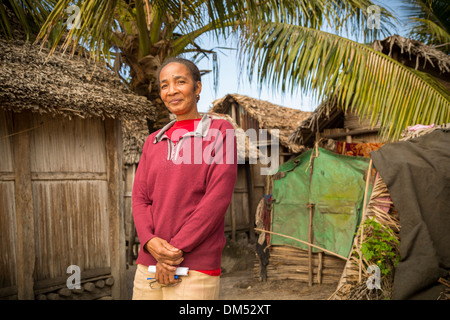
(241, 285)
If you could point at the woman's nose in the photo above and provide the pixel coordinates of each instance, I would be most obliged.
(172, 89)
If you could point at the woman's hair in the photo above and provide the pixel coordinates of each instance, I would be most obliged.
(189, 64)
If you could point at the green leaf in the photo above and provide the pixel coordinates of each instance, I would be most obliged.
(379, 87)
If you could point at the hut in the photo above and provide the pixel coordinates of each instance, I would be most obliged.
(347, 133)
(316, 198)
(415, 230)
(253, 114)
(62, 228)
(337, 131)
(344, 137)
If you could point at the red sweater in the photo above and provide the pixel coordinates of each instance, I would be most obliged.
(182, 190)
(180, 128)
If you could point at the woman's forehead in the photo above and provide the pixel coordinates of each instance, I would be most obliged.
(175, 69)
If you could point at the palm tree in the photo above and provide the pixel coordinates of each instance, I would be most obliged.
(144, 33)
(136, 35)
(372, 84)
(141, 34)
(283, 38)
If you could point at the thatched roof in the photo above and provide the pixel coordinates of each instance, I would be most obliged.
(417, 55)
(268, 115)
(415, 50)
(326, 115)
(32, 80)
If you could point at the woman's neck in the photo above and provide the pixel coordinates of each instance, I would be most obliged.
(190, 115)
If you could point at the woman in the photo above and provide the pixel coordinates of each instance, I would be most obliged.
(182, 189)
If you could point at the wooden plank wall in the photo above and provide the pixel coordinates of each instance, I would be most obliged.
(68, 165)
(8, 224)
(240, 216)
(250, 184)
(69, 200)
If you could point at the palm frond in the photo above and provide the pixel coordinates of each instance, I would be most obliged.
(97, 21)
(371, 83)
(430, 21)
(30, 14)
(429, 32)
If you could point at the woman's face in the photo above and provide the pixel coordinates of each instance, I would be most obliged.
(177, 90)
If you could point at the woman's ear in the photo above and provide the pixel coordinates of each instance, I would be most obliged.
(199, 88)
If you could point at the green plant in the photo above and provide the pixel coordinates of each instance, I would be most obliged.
(380, 246)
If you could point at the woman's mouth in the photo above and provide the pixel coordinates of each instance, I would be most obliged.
(175, 101)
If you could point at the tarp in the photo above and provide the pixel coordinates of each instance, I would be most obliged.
(417, 175)
(337, 191)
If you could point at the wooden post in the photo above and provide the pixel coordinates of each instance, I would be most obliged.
(249, 174)
(320, 268)
(115, 198)
(26, 254)
(233, 112)
(310, 240)
(314, 155)
(130, 230)
(363, 218)
(233, 219)
(348, 137)
(366, 191)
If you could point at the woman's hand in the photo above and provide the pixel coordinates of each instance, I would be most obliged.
(165, 274)
(168, 258)
(164, 252)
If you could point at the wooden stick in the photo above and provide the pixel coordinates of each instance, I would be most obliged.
(320, 268)
(304, 242)
(369, 174)
(311, 207)
(233, 219)
(310, 273)
(360, 254)
(369, 170)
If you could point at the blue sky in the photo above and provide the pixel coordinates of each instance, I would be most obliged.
(234, 80)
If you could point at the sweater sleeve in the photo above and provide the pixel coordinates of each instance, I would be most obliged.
(141, 204)
(220, 181)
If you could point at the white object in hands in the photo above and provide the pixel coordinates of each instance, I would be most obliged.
(181, 271)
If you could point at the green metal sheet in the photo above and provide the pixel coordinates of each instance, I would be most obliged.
(336, 188)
